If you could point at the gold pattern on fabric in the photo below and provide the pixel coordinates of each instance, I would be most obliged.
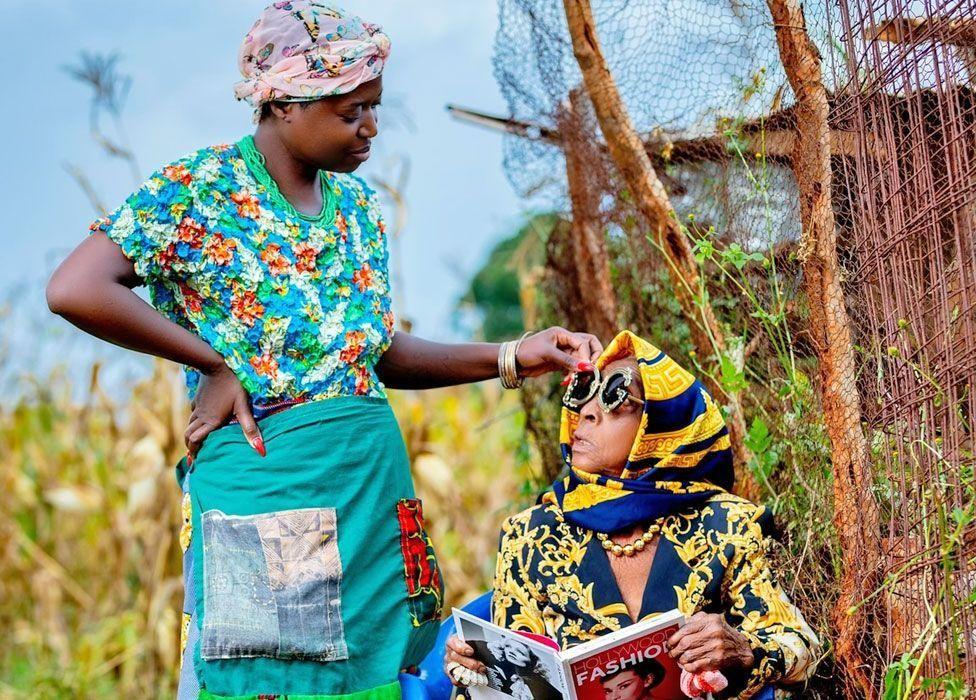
(540, 585)
(588, 495)
(184, 634)
(693, 458)
(186, 529)
(570, 420)
(665, 379)
(655, 444)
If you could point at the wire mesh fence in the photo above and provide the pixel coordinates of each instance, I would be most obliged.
(812, 179)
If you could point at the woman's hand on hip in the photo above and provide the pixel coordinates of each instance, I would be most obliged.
(220, 397)
(708, 643)
(461, 655)
(557, 350)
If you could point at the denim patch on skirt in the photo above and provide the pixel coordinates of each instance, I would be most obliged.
(271, 586)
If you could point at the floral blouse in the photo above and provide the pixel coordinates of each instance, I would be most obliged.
(554, 578)
(298, 305)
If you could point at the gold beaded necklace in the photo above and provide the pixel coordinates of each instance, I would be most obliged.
(629, 550)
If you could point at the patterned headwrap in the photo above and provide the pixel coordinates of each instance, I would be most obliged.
(681, 455)
(302, 50)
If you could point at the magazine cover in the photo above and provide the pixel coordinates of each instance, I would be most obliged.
(518, 667)
(629, 666)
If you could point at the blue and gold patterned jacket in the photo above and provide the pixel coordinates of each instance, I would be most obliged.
(553, 575)
(554, 578)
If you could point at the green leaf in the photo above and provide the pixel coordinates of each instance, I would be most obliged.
(733, 379)
(703, 250)
(758, 438)
(962, 517)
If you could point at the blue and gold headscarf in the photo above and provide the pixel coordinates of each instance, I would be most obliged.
(681, 455)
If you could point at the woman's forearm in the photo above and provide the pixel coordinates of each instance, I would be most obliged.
(414, 363)
(111, 311)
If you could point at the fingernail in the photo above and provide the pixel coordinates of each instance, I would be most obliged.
(189, 460)
(566, 380)
(585, 366)
(258, 445)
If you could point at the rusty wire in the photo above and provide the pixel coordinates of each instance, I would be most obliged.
(707, 90)
(909, 96)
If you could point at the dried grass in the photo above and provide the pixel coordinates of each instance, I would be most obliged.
(90, 586)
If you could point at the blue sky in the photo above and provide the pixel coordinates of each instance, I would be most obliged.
(181, 55)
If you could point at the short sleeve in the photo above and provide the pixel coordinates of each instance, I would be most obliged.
(152, 226)
(380, 258)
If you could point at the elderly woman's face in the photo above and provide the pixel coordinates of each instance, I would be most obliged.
(602, 441)
(334, 133)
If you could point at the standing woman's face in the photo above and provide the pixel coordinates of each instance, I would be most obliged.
(333, 133)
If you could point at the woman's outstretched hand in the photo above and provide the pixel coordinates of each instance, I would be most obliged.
(557, 350)
(219, 397)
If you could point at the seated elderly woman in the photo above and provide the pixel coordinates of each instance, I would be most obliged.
(644, 523)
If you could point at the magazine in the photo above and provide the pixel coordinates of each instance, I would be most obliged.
(630, 663)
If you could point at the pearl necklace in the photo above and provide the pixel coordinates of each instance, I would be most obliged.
(629, 550)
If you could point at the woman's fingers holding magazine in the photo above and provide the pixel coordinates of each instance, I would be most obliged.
(461, 666)
(708, 643)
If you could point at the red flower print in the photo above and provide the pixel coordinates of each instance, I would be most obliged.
(340, 223)
(247, 204)
(167, 257)
(388, 321)
(220, 249)
(363, 277)
(264, 364)
(362, 380)
(277, 263)
(305, 255)
(192, 301)
(190, 231)
(354, 347)
(178, 173)
(247, 308)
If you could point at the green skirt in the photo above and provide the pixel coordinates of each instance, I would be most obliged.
(311, 573)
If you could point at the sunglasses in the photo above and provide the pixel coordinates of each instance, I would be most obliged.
(610, 390)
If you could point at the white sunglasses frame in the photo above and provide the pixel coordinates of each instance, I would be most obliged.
(597, 387)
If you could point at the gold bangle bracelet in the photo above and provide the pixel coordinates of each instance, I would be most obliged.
(508, 362)
(502, 349)
(512, 380)
(508, 375)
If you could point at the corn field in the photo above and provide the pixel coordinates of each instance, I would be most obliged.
(90, 582)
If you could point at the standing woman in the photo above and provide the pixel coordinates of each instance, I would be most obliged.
(307, 567)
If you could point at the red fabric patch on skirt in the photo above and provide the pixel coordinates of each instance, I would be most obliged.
(425, 591)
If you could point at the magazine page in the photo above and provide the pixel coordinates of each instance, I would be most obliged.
(518, 667)
(630, 664)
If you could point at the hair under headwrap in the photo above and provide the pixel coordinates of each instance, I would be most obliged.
(303, 50)
(680, 456)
